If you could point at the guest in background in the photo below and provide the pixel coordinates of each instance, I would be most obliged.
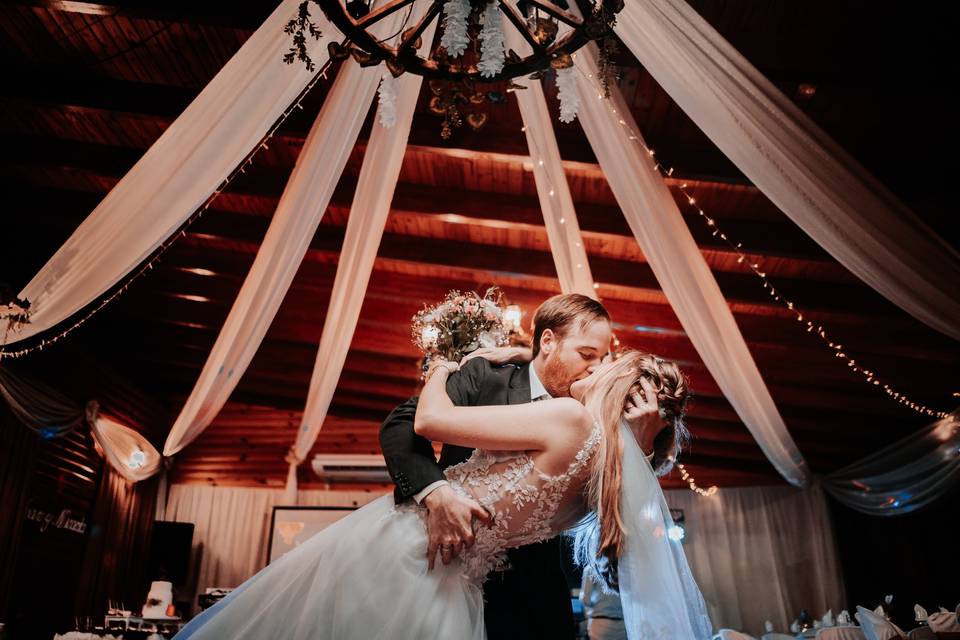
(602, 610)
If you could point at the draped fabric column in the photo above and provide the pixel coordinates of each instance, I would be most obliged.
(680, 269)
(795, 163)
(302, 205)
(177, 174)
(559, 215)
(368, 215)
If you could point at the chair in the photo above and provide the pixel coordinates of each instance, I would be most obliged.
(877, 627)
(777, 636)
(730, 634)
(841, 633)
(922, 633)
(941, 622)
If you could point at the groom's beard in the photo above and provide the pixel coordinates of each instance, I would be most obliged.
(556, 379)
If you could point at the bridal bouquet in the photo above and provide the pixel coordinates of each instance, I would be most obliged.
(462, 323)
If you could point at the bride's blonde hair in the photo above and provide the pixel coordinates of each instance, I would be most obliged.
(605, 398)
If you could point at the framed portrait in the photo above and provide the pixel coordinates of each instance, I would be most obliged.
(292, 526)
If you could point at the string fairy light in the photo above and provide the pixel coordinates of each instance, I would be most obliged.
(321, 74)
(870, 377)
(538, 157)
(691, 482)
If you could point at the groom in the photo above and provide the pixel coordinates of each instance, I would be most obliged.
(530, 599)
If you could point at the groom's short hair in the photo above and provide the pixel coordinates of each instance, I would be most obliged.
(560, 312)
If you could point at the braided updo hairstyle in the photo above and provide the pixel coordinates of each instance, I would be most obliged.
(673, 393)
(605, 397)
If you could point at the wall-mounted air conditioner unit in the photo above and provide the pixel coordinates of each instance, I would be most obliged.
(347, 467)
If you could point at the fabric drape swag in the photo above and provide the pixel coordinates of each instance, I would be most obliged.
(559, 214)
(683, 274)
(302, 205)
(905, 476)
(817, 184)
(51, 414)
(41, 408)
(825, 191)
(177, 174)
(368, 215)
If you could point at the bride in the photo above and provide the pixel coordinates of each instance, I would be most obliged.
(538, 469)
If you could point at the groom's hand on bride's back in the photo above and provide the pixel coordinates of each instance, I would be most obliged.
(450, 523)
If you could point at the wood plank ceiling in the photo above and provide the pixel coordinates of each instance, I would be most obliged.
(89, 87)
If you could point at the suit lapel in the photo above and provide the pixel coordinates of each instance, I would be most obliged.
(520, 386)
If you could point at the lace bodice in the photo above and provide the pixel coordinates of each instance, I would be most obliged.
(527, 505)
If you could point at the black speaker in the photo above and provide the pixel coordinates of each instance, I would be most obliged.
(170, 551)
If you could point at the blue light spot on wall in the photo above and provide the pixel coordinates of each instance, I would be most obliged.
(48, 433)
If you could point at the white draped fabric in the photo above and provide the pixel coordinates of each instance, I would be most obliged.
(681, 270)
(232, 528)
(302, 205)
(795, 163)
(904, 476)
(127, 451)
(559, 215)
(177, 174)
(761, 553)
(368, 215)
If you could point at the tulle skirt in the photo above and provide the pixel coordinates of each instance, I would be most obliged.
(365, 578)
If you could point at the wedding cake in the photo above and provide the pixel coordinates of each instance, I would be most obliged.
(158, 600)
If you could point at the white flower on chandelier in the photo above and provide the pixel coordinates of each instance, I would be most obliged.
(569, 97)
(387, 112)
(454, 38)
(492, 55)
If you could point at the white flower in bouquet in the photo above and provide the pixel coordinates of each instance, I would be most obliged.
(488, 340)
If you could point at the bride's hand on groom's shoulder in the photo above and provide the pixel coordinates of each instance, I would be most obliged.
(500, 355)
(450, 523)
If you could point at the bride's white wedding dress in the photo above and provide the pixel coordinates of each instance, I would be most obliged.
(365, 577)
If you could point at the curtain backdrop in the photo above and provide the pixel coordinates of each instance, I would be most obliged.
(115, 559)
(905, 476)
(302, 205)
(18, 453)
(680, 268)
(177, 174)
(761, 553)
(232, 528)
(796, 164)
(368, 215)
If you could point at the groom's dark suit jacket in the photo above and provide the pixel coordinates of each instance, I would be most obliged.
(530, 599)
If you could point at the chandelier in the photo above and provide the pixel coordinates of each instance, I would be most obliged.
(470, 50)
(464, 51)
